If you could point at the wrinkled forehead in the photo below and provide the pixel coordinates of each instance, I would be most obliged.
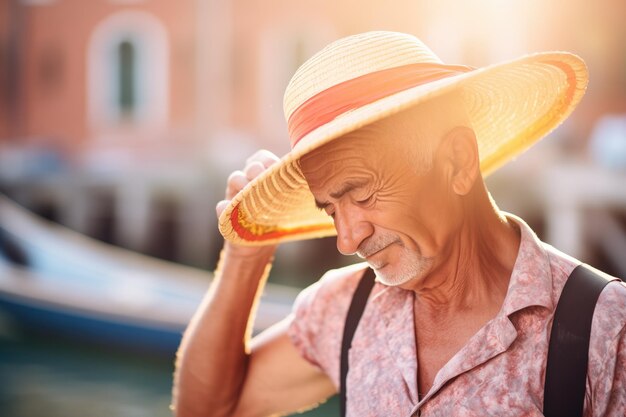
(354, 151)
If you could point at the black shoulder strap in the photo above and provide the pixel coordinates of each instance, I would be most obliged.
(359, 300)
(566, 371)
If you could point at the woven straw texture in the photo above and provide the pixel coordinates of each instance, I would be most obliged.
(511, 105)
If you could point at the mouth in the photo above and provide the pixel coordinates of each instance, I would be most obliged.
(369, 253)
(376, 265)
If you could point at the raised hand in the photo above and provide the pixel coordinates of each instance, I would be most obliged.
(237, 180)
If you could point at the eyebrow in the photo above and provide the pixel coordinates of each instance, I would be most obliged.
(345, 188)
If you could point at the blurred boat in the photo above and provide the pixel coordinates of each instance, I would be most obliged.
(63, 284)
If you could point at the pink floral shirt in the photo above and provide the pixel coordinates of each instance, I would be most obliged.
(501, 369)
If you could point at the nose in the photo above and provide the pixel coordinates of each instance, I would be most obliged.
(352, 229)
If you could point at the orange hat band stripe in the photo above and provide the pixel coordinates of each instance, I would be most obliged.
(357, 92)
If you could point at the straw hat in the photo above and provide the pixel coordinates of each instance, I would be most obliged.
(363, 78)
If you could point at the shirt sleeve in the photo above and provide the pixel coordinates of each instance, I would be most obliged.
(319, 316)
(606, 390)
(305, 325)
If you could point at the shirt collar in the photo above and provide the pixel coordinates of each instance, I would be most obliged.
(531, 278)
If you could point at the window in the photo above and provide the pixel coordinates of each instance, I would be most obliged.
(128, 74)
(126, 79)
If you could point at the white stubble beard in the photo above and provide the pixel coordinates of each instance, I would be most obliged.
(412, 263)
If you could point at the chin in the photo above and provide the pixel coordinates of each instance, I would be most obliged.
(412, 267)
(391, 279)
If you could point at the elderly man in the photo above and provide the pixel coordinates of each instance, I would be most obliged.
(388, 148)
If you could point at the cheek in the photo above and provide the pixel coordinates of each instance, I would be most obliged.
(425, 226)
(409, 224)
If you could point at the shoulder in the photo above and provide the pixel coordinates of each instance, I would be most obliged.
(334, 290)
(561, 266)
(319, 314)
(607, 342)
(607, 352)
(609, 319)
(612, 300)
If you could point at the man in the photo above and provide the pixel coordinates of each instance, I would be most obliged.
(388, 148)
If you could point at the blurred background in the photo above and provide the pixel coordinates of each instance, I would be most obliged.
(121, 119)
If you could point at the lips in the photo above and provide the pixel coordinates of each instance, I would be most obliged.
(370, 253)
(371, 248)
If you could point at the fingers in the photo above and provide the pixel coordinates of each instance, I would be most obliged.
(237, 180)
(253, 170)
(265, 157)
(219, 208)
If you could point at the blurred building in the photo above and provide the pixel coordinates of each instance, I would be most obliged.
(122, 118)
(106, 108)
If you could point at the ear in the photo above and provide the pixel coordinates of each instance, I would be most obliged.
(462, 155)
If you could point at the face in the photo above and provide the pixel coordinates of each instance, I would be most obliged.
(395, 218)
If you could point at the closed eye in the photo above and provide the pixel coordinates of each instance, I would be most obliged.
(365, 201)
(324, 207)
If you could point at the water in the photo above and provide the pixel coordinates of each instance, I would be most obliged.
(40, 377)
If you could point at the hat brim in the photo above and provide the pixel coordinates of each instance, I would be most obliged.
(511, 106)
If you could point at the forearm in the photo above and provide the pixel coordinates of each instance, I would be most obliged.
(212, 360)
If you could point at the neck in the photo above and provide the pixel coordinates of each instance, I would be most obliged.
(477, 264)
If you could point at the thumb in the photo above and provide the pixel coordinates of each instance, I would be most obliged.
(220, 207)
